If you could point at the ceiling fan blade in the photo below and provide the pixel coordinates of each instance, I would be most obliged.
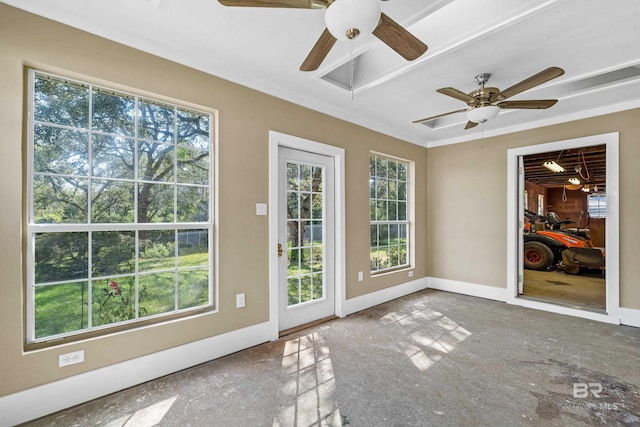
(440, 115)
(539, 104)
(399, 39)
(319, 51)
(535, 80)
(455, 93)
(470, 125)
(299, 4)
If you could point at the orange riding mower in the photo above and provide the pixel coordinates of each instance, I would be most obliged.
(548, 243)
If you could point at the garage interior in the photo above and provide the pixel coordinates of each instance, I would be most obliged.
(578, 196)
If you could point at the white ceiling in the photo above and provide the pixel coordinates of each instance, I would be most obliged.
(596, 42)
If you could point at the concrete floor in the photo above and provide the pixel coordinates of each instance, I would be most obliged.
(431, 358)
(586, 291)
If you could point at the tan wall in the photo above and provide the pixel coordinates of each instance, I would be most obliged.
(246, 116)
(467, 199)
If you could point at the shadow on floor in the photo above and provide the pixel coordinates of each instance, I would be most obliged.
(430, 358)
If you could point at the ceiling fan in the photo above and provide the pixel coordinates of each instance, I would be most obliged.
(347, 20)
(485, 103)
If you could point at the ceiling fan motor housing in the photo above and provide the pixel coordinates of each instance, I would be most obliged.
(483, 96)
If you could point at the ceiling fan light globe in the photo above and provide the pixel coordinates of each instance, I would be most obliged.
(482, 114)
(344, 17)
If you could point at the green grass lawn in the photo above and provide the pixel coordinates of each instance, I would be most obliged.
(64, 308)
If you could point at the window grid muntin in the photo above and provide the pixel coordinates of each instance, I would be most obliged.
(89, 227)
(379, 198)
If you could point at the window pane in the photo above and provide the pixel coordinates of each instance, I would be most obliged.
(305, 288)
(193, 204)
(113, 113)
(293, 211)
(306, 229)
(193, 288)
(381, 188)
(193, 130)
(157, 293)
(292, 176)
(293, 233)
(113, 300)
(293, 291)
(305, 178)
(402, 171)
(155, 203)
(393, 211)
(316, 206)
(391, 169)
(374, 236)
(157, 250)
(59, 200)
(402, 211)
(113, 157)
(381, 168)
(61, 256)
(112, 201)
(317, 287)
(113, 252)
(60, 151)
(156, 122)
(61, 308)
(317, 260)
(193, 248)
(60, 102)
(156, 162)
(192, 165)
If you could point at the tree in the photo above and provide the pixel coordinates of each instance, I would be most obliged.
(85, 145)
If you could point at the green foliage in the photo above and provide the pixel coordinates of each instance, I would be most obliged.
(173, 149)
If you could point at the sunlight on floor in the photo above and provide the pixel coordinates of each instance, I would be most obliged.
(149, 416)
(311, 383)
(430, 335)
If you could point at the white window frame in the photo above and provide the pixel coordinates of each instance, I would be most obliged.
(408, 221)
(33, 228)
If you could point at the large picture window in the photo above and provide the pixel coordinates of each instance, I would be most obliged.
(389, 212)
(119, 217)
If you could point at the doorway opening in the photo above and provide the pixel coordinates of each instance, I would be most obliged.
(306, 231)
(564, 247)
(563, 227)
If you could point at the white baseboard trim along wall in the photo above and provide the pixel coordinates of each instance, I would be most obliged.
(630, 317)
(49, 398)
(363, 302)
(471, 289)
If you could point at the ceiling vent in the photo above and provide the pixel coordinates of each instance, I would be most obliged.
(345, 75)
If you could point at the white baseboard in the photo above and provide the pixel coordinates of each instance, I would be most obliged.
(363, 302)
(49, 398)
(471, 289)
(629, 317)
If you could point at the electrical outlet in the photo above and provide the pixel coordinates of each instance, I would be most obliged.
(72, 358)
(411, 273)
(360, 276)
(240, 300)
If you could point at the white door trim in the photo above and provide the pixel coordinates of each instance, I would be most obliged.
(277, 139)
(612, 226)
